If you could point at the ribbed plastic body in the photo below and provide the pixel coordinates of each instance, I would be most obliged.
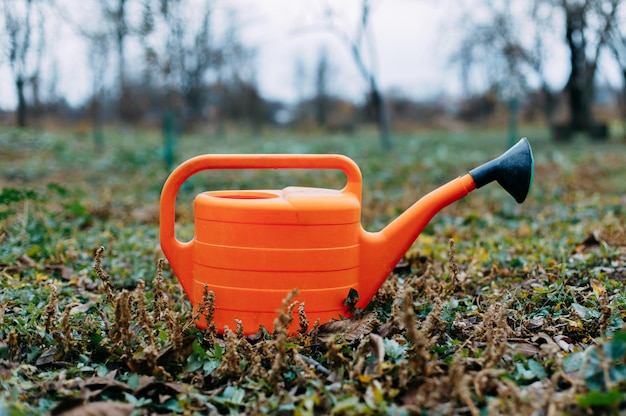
(253, 247)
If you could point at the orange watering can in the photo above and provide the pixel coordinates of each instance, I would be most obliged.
(253, 247)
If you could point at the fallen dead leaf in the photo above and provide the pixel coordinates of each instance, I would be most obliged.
(47, 356)
(591, 243)
(543, 338)
(597, 287)
(564, 342)
(98, 385)
(379, 347)
(107, 408)
(523, 347)
(353, 329)
(535, 323)
(65, 272)
(82, 307)
(25, 261)
(157, 391)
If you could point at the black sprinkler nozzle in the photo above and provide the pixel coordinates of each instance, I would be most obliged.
(514, 171)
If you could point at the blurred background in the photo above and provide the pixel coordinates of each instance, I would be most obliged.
(314, 65)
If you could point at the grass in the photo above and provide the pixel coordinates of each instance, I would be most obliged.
(497, 307)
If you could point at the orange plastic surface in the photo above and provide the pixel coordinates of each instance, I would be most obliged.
(381, 251)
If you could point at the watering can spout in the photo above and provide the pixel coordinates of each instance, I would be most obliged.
(380, 251)
(513, 170)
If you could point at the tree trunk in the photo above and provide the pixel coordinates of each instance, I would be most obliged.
(579, 83)
(549, 104)
(623, 97)
(382, 119)
(125, 107)
(21, 102)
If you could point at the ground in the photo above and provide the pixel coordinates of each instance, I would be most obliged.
(497, 307)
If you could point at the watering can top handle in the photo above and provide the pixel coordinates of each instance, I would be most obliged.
(271, 161)
(251, 161)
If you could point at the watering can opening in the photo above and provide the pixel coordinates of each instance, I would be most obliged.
(243, 195)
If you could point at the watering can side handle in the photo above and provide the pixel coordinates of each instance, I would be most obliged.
(178, 254)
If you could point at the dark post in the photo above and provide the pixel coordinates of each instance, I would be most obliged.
(169, 146)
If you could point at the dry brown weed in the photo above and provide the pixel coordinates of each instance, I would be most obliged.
(104, 277)
(50, 311)
(145, 320)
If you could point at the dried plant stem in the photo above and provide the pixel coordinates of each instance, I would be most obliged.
(285, 317)
(495, 331)
(14, 345)
(421, 339)
(175, 331)
(160, 297)
(453, 266)
(461, 384)
(281, 328)
(315, 331)
(407, 316)
(121, 334)
(50, 312)
(304, 322)
(239, 324)
(206, 309)
(230, 365)
(605, 309)
(145, 320)
(66, 329)
(106, 279)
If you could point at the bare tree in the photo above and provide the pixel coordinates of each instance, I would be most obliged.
(115, 13)
(39, 52)
(237, 73)
(508, 47)
(19, 25)
(197, 61)
(501, 42)
(179, 47)
(181, 50)
(616, 39)
(360, 45)
(300, 77)
(588, 25)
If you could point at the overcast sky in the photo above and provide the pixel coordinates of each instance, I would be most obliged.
(413, 41)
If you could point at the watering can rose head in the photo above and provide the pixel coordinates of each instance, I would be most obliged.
(253, 247)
